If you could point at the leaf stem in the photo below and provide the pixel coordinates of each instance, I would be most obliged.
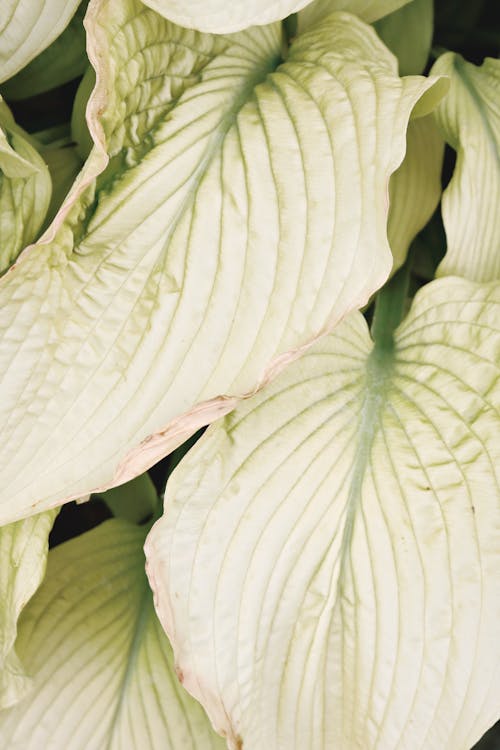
(390, 308)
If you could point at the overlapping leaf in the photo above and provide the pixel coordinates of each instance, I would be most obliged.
(368, 10)
(221, 17)
(242, 213)
(408, 33)
(27, 27)
(328, 566)
(470, 120)
(62, 61)
(102, 667)
(25, 188)
(23, 556)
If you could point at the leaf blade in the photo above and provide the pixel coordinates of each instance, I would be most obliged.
(337, 534)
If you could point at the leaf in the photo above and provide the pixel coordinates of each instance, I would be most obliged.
(367, 10)
(27, 27)
(23, 556)
(221, 17)
(62, 61)
(101, 664)
(408, 33)
(415, 188)
(135, 501)
(469, 118)
(64, 165)
(327, 566)
(79, 128)
(25, 188)
(242, 214)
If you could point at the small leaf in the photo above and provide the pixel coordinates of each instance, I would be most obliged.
(327, 566)
(102, 667)
(23, 556)
(470, 121)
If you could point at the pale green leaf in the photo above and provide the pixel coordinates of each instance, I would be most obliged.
(23, 555)
(328, 566)
(25, 188)
(79, 128)
(62, 61)
(242, 214)
(470, 120)
(101, 665)
(27, 27)
(223, 17)
(415, 188)
(408, 33)
(367, 10)
(64, 165)
(135, 501)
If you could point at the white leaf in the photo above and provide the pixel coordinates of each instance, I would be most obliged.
(470, 120)
(102, 667)
(328, 566)
(242, 214)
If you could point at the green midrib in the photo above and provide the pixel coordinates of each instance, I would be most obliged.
(389, 311)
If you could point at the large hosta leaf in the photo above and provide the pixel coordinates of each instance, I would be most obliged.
(470, 120)
(222, 17)
(368, 10)
(23, 556)
(102, 667)
(25, 188)
(328, 566)
(242, 213)
(27, 27)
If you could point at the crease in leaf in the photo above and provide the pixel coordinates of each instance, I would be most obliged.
(469, 118)
(327, 564)
(172, 282)
(95, 649)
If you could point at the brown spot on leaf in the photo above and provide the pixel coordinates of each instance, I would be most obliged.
(180, 674)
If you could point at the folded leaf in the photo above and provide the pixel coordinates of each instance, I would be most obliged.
(408, 33)
(101, 665)
(23, 556)
(415, 188)
(367, 10)
(25, 188)
(62, 61)
(470, 120)
(27, 27)
(242, 214)
(223, 17)
(328, 567)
